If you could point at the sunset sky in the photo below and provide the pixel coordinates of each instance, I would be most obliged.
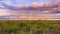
(25, 2)
(23, 7)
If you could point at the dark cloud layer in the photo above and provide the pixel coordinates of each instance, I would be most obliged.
(50, 8)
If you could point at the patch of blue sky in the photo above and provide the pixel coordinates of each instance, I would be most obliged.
(25, 2)
(28, 2)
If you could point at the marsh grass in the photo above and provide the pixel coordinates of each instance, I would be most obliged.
(29, 26)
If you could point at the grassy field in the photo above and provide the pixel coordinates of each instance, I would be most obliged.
(29, 26)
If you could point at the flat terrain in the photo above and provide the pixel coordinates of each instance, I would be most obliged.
(29, 26)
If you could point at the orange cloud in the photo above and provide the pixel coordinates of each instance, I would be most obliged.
(21, 6)
(4, 12)
(34, 4)
(46, 12)
(44, 7)
(23, 16)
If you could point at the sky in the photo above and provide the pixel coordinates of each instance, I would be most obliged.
(25, 2)
(12, 3)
